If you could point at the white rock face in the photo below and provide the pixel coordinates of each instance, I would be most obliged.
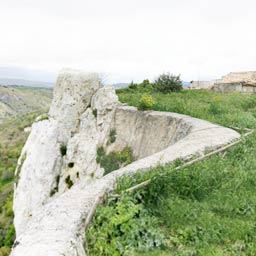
(56, 188)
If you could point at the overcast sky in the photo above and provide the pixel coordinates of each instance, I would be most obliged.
(127, 39)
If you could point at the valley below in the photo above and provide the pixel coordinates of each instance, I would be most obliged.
(16, 101)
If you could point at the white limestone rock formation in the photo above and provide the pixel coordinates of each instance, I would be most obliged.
(42, 170)
(58, 178)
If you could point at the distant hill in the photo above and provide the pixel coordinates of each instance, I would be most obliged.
(120, 85)
(19, 100)
(185, 84)
(22, 82)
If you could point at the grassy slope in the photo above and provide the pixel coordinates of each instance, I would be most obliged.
(12, 140)
(18, 100)
(209, 208)
(25, 104)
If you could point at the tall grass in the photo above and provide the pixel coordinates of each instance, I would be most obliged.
(208, 208)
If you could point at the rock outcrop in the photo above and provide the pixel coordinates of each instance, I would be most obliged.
(58, 177)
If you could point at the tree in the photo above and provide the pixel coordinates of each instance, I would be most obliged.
(168, 83)
(132, 85)
(145, 83)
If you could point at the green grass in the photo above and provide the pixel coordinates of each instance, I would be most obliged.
(208, 208)
(226, 109)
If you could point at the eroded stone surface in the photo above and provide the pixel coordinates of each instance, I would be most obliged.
(49, 216)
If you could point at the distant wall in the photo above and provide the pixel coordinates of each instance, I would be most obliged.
(227, 88)
(234, 87)
(249, 89)
(146, 132)
(204, 85)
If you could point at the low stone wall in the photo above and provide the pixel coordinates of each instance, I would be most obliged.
(234, 87)
(146, 132)
(201, 85)
(227, 88)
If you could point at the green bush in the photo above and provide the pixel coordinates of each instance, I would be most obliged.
(146, 102)
(132, 85)
(145, 83)
(94, 112)
(112, 136)
(5, 251)
(69, 182)
(123, 228)
(56, 188)
(10, 236)
(63, 149)
(168, 83)
(145, 86)
(114, 160)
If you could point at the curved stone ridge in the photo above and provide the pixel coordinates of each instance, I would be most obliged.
(49, 215)
(146, 132)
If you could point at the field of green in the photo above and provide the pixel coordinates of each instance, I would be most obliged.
(205, 209)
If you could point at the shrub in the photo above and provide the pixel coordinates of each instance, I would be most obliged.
(146, 102)
(69, 182)
(5, 251)
(144, 86)
(56, 188)
(7, 208)
(10, 236)
(7, 175)
(114, 160)
(112, 136)
(100, 154)
(132, 85)
(145, 83)
(168, 83)
(94, 112)
(63, 149)
(123, 228)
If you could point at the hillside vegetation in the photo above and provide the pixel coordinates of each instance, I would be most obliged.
(12, 139)
(17, 100)
(205, 209)
(18, 108)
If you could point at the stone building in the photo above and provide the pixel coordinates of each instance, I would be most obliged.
(243, 82)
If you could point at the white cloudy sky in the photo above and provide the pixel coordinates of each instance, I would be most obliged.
(127, 39)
